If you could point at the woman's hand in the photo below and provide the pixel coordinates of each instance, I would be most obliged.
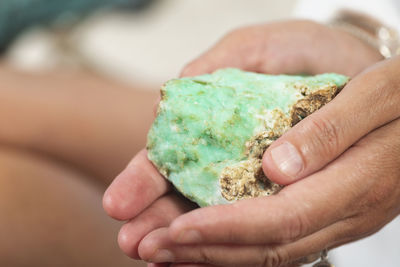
(144, 198)
(290, 47)
(353, 148)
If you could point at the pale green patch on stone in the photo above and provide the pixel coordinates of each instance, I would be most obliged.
(211, 130)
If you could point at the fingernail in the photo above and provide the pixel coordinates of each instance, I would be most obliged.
(189, 236)
(287, 159)
(163, 255)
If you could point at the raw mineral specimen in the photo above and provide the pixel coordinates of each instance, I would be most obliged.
(211, 130)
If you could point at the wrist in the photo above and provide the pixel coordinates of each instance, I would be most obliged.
(366, 52)
(338, 51)
(368, 30)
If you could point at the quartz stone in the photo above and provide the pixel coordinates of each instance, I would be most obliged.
(212, 130)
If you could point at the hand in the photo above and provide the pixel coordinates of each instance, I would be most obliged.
(290, 47)
(142, 196)
(353, 196)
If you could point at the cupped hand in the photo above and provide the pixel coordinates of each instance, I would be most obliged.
(352, 196)
(143, 197)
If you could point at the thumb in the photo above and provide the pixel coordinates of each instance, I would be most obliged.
(365, 104)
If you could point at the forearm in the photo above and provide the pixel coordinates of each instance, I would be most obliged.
(82, 119)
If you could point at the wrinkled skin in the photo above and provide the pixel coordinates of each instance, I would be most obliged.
(347, 186)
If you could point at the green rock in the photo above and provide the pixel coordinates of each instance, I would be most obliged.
(211, 130)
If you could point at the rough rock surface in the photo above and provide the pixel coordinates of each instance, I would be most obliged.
(212, 130)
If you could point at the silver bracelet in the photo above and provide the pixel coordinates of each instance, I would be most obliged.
(384, 39)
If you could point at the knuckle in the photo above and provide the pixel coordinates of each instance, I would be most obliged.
(297, 227)
(128, 242)
(379, 87)
(274, 257)
(352, 228)
(205, 255)
(231, 235)
(238, 35)
(296, 224)
(357, 227)
(326, 135)
(377, 196)
(188, 69)
(388, 95)
(232, 36)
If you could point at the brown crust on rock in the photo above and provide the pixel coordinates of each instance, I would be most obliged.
(246, 179)
(163, 96)
(311, 103)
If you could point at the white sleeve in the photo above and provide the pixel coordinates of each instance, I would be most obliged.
(386, 11)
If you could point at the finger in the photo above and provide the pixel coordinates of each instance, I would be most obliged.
(370, 152)
(158, 264)
(139, 185)
(158, 247)
(159, 214)
(298, 210)
(366, 103)
(209, 265)
(192, 265)
(237, 49)
(286, 47)
(350, 185)
(258, 48)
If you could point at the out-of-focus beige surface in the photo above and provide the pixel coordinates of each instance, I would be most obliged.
(151, 46)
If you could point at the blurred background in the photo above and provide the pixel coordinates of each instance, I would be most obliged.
(140, 44)
(147, 43)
